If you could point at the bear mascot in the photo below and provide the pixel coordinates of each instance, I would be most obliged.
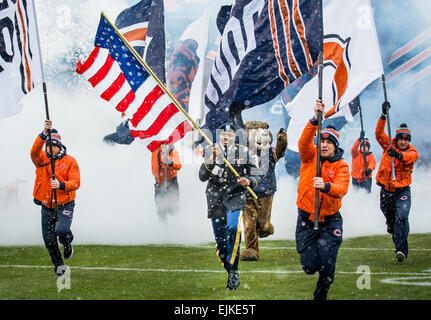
(257, 214)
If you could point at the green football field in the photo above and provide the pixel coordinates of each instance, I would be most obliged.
(366, 270)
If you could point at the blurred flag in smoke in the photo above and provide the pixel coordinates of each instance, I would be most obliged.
(352, 61)
(20, 68)
(185, 76)
(118, 76)
(412, 59)
(143, 26)
(266, 45)
(405, 41)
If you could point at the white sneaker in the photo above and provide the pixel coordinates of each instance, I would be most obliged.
(60, 270)
(400, 256)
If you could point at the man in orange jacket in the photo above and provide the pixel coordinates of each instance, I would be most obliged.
(363, 163)
(318, 249)
(395, 195)
(165, 163)
(55, 223)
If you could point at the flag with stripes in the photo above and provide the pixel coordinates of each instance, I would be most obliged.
(20, 68)
(119, 77)
(266, 45)
(143, 27)
(348, 68)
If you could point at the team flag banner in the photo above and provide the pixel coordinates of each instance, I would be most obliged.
(20, 68)
(143, 26)
(120, 78)
(348, 68)
(266, 45)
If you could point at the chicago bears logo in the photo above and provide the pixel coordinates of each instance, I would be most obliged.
(325, 135)
(182, 70)
(404, 136)
(336, 55)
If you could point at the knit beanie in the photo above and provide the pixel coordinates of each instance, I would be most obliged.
(403, 132)
(331, 134)
(55, 138)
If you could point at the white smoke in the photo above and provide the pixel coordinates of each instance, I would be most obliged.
(115, 203)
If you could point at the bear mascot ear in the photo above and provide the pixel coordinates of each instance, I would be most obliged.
(281, 144)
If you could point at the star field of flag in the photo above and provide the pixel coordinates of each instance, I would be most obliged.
(107, 38)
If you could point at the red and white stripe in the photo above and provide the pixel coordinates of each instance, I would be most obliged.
(153, 115)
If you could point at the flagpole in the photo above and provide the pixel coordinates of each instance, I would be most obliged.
(45, 96)
(388, 122)
(319, 129)
(177, 104)
(363, 145)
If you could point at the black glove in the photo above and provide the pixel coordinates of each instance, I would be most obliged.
(393, 153)
(385, 107)
(167, 161)
(368, 172)
(362, 135)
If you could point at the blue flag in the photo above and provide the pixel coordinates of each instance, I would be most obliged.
(266, 45)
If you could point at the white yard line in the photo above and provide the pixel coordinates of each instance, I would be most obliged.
(205, 270)
(294, 248)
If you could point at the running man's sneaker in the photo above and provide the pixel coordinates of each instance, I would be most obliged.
(232, 280)
(60, 270)
(400, 256)
(68, 251)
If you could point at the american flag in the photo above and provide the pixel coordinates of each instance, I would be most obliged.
(121, 79)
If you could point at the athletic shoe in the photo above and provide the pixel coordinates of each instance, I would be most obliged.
(400, 256)
(68, 251)
(60, 270)
(232, 280)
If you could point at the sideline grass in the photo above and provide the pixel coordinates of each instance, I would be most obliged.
(165, 272)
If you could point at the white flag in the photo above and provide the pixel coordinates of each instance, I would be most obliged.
(20, 68)
(352, 61)
(198, 31)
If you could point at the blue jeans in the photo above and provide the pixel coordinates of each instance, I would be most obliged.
(318, 249)
(396, 208)
(53, 228)
(228, 238)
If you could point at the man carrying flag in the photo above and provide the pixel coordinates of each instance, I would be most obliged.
(226, 196)
(395, 195)
(363, 163)
(318, 249)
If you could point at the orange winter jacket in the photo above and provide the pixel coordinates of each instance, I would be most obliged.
(158, 167)
(358, 165)
(66, 171)
(334, 171)
(403, 168)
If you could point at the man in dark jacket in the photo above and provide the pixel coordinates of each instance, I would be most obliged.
(226, 196)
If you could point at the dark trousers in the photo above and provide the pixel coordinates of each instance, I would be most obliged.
(318, 249)
(53, 229)
(227, 234)
(396, 208)
(366, 184)
(167, 197)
